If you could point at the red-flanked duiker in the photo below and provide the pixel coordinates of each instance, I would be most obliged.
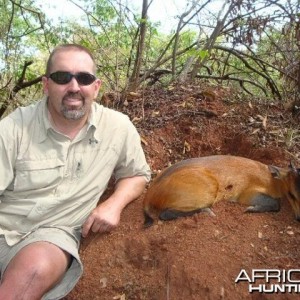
(194, 185)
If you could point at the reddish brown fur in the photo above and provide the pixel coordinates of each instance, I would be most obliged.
(201, 182)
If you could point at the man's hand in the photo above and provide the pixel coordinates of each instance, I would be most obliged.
(106, 216)
(103, 218)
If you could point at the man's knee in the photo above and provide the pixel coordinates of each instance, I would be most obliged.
(40, 261)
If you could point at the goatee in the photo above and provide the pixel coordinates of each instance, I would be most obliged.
(73, 112)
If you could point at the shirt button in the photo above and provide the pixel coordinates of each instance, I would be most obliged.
(39, 209)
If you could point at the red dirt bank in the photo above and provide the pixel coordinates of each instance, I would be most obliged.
(197, 257)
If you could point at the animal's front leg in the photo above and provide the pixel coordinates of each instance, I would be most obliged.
(263, 203)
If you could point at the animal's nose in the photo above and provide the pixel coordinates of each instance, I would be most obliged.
(298, 218)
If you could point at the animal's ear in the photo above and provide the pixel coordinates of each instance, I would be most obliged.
(292, 166)
(275, 171)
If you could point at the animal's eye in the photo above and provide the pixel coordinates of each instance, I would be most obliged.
(292, 196)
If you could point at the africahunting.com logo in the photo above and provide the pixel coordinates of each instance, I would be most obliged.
(271, 281)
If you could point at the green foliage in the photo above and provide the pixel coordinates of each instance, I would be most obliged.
(198, 53)
(110, 28)
(104, 12)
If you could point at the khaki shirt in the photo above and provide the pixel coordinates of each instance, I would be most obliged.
(46, 179)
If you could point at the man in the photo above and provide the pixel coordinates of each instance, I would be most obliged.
(56, 159)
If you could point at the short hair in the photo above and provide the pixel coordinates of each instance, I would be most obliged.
(66, 47)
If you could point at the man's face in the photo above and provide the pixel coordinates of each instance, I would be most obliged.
(71, 100)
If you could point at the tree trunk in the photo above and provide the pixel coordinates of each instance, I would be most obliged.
(211, 41)
(134, 79)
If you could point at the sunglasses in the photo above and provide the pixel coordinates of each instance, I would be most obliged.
(83, 78)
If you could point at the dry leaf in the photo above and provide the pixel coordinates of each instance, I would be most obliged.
(276, 132)
(251, 120)
(264, 122)
(143, 140)
(133, 94)
(183, 104)
(255, 131)
(120, 297)
(155, 113)
(136, 119)
(186, 147)
(260, 117)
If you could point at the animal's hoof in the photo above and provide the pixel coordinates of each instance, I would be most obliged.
(208, 211)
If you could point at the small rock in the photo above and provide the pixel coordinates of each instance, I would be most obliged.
(103, 282)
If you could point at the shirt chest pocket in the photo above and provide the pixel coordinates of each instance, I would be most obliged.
(33, 175)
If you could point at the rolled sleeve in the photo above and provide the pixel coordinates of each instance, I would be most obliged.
(7, 153)
(132, 161)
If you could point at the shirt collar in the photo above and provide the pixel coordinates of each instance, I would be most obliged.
(93, 120)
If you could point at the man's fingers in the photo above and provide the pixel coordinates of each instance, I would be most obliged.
(101, 227)
(95, 226)
(87, 226)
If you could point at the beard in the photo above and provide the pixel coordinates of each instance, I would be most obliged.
(73, 112)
